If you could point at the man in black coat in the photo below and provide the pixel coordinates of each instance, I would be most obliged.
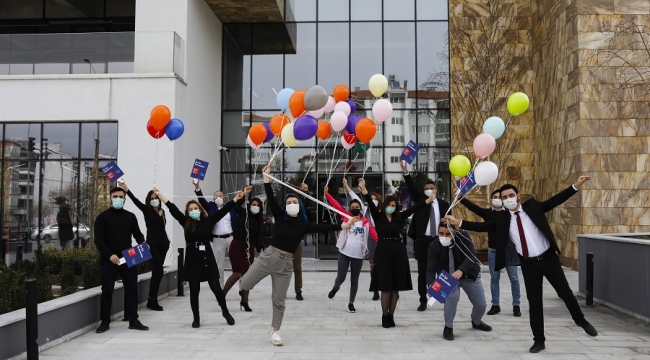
(423, 228)
(527, 227)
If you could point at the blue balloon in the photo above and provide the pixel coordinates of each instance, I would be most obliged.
(282, 99)
(269, 133)
(351, 127)
(494, 126)
(174, 129)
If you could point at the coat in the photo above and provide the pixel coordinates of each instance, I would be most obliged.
(438, 258)
(420, 219)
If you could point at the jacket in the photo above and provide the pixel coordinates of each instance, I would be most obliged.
(212, 207)
(420, 219)
(438, 258)
(368, 228)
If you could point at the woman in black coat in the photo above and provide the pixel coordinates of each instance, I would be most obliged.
(200, 264)
(64, 221)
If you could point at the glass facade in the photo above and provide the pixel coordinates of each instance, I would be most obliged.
(341, 42)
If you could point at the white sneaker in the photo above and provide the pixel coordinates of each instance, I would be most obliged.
(275, 339)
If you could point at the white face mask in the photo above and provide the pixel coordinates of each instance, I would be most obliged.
(376, 202)
(293, 209)
(428, 192)
(510, 203)
(445, 241)
(218, 201)
(154, 202)
(255, 210)
(497, 203)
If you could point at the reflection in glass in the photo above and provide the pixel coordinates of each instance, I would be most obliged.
(300, 10)
(433, 56)
(334, 10)
(80, 9)
(333, 55)
(107, 135)
(399, 57)
(236, 68)
(366, 54)
(62, 140)
(432, 10)
(234, 127)
(300, 68)
(267, 79)
(399, 10)
(21, 9)
(365, 9)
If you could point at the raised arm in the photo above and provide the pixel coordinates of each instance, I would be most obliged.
(237, 201)
(335, 204)
(176, 213)
(199, 194)
(371, 205)
(415, 194)
(410, 211)
(354, 196)
(470, 225)
(484, 213)
(563, 196)
(135, 200)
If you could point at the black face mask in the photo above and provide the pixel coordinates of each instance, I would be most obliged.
(355, 212)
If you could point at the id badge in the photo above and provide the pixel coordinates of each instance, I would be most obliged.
(201, 247)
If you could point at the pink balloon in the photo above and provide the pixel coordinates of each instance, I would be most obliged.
(252, 144)
(317, 113)
(339, 120)
(343, 107)
(329, 107)
(345, 144)
(484, 145)
(382, 110)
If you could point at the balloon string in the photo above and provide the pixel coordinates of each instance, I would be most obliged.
(155, 164)
(365, 165)
(336, 143)
(278, 146)
(508, 122)
(347, 168)
(315, 158)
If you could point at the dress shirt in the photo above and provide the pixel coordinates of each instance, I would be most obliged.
(224, 226)
(437, 211)
(535, 240)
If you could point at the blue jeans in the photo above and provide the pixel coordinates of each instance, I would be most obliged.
(495, 276)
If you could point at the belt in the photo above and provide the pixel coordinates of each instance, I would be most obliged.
(222, 236)
(538, 257)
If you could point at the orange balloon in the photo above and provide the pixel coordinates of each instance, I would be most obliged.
(278, 122)
(257, 133)
(297, 103)
(324, 130)
(160, 116)
(366, 130)
(341, 93)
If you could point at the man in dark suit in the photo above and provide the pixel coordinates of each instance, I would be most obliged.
(424, 227)
(526, 226)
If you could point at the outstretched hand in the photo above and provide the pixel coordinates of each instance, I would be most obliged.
(265, 172)
(122, 184)
(581, 180)
(451, 220)
(404, 167)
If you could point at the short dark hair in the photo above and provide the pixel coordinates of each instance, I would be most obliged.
(497, 191)
(116, 189)
(445, 225)
(355, 201)
(509, 187)
(431, 182)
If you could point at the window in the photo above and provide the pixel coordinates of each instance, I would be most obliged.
(397, 121)
(380, 128)
(394, 159)
(398, 138)
(376, 166)
(423, 167)
(376, 150)
(423, 148)
(397, 99)
(414, 128)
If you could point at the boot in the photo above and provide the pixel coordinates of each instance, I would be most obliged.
(197, 321)
(226, 315)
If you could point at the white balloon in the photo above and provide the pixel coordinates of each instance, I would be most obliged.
(343, 107)
(486, 173)
(329, 107)
(317, 113)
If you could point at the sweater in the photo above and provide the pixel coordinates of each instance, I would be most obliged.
(113, 231)
(155, 222)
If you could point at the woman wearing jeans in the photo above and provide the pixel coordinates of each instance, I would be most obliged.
(277, 260)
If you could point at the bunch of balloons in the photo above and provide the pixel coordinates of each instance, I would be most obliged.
(161, 123)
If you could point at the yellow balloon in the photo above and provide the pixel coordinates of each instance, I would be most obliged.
(518, 103)
(287, 136)
(460, 165)
(378, 84)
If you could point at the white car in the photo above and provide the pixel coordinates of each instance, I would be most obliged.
(51, 232)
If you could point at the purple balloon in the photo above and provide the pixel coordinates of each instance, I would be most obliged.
(269, 133)
(353, 105)
(305, 127)
(352, 124)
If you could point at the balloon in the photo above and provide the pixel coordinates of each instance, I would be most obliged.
(460, 165)
(297, 103)
(257, 133)
(518, 103)
(287, 136)
(344, 107)
(341, 93)
(329, 107)
(351, 127)
(350, 138)
(252, 144)
(269, 133)
(378, 84)
(339, 120)
(494, 126)
(282, 99)
(346, 145)
(317, 113)
(315, 98)
(324, 130)
(305, 127)
(353, 105)
(382, 110)
(484, 145)
(360, 147)
(160, 116)
(366, 130)
(278, 122)
(486, 173)
(174, 129)
(156, 134)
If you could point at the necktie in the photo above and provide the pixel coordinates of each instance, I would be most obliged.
(451, 261)
(522, 236)
(433, 221)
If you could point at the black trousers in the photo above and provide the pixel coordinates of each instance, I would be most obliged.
(129, 277)
(158, 253)
(421, 248)
(534, 272)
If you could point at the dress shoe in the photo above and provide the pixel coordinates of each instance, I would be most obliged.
(137, 325)
(422, 307)
(226, 315)
(332, 293)
(197, 322)
(243, 305)
(495, 309)
(385, 322)
(103, 327)
(375, 297)
(448, 333)
(391, 320)
(589, 329)
(537, 347)
(153, 305)
(299, 296)
(516, 311)
(482, 326)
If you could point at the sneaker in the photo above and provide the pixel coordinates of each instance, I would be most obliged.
(299, 297)
(332, 293)
(351, 308)
(103, 327)
(276, 339)
(495, 309)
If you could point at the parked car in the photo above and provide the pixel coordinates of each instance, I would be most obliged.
(51, 232)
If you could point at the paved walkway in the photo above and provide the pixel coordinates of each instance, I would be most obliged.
(319, 328)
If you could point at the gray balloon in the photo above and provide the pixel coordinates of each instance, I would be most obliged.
(315, 98)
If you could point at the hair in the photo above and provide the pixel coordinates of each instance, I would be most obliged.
(509, 187)
(355, 201)
(381, 204)
(431, 182)
(147, 200)
(497, 191)
(444, 225)
(116, 189)
(302, 214)
(189, 222)
(387, 201)
(259, 215)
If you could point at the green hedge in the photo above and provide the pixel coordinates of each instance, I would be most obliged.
(12, 283)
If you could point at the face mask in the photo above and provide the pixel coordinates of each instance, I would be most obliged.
(355, 212)
(497, 203)
(195, 214)
(218, 201)
(390, 209)
(445, 241)
(255, 210)
(154, 203)
(293, 209)
(428, 192)
(376, 202)
(118, 203)
(510, 204)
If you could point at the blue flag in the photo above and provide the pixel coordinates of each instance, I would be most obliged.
(442, 286)
(199, 169)
(410, 152)
(112, 171)
(136, 255)
(467, 183)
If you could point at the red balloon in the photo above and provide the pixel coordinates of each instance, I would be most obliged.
(156, 134)
(350, 138)
(160, 116)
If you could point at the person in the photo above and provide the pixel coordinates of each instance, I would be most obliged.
(511, 263)
(352, 247)
(456, 254)
(222, 231)
(525, 225)
(392, 272)
(114, 228)
(423, 227)
(297, 255)
(277, 260)
(200, 263)
(157, 239)
(246, 239)
(66, 232)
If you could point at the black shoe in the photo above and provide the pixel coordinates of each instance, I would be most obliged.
(351, 308)
(103, 327)
(375, 297)
(537, 346)
(482, 326)
(589, 329)
(153, 305)
(299, 297)
(391, 320)
(332, 293)
(422, 307)
(137, 325)
(124, 319)
(226, 315)
(495, 309)
(244, 306)
(197, 322)
(516, 311)
(448, 333)
(384, 321)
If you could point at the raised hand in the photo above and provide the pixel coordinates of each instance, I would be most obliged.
(348, 224)
(247, 190)
(265, 172)
(362, 186)
(239, 196)
(304, 187)
(404, 167)
(582, 180)
(431, 198)
(196, 182)
(451, 220)
(122, 184)
(326, 189)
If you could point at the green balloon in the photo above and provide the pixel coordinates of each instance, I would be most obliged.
(360, 147)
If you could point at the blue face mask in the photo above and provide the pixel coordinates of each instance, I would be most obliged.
(390, 209)
(118, 203)
(195, 214)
